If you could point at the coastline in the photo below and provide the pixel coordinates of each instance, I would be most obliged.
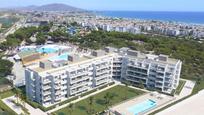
(145, 17)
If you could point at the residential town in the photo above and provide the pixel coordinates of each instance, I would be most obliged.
(82, 63)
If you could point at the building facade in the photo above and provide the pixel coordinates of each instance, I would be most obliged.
(53, 82)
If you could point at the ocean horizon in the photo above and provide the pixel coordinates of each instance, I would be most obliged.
(183, 17)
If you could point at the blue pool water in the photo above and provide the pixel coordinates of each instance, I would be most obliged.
(60, 57)
(47, 50)
(142, 107)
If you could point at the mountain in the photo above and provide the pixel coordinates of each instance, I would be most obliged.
(57, 7)
(49, 7)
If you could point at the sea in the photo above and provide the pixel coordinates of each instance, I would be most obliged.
(180, 17)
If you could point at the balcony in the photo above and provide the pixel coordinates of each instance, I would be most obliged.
(90, 69)
(58, 93)
(47, 99)
(138, 66)
(159, 81)
(80, 79)
(102, 67)
(57, 87)
(79, 90)
(46, 87)
(160, 71)
(102, 72)
(57, 81)
(46, 93)
(78, 85)
(78, 74)
(139, 72)
(57, 99)
(158, 85)
(101, 77)
(101, 82)
(64, 82)
(46, 81)
(159, 76)
(117, 65)
(139, 77)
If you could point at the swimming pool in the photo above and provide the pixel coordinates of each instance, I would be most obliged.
(142, 107)
(47, 50)
(59, 57)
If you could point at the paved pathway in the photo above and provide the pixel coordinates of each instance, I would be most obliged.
(18, 109)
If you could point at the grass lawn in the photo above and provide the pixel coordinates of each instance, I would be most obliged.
(120, 94)
(180, 87)
(6, 94)
(3, 106)
(198, 87)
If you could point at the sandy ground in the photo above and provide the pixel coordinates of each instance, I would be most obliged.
(191, 106)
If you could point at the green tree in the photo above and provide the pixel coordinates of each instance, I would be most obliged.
(108, 97)
(70, 108)
(5, 67)
(90, 103)
(17, 94)
(40, 38)
(141, 84)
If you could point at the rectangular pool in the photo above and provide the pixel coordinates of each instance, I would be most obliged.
(60, 57)
(142, 107)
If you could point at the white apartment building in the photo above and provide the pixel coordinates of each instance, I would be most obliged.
(53, 82)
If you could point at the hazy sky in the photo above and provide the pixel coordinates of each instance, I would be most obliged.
(141, 5)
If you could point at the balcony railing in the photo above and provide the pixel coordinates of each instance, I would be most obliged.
(46, 93)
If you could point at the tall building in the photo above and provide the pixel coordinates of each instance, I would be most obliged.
(52, 82)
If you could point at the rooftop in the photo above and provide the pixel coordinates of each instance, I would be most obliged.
(60, 66)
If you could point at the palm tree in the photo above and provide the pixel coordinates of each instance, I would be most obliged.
(17, 92)
(90, 102)
(71, 107)
(108, 97)
(141, 85)
(23, 99)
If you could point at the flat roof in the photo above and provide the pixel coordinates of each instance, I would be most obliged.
(148, 57)
(82, 59)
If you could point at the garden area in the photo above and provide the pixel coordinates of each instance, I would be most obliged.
(101, 101)
(4, 109)
(180, 87)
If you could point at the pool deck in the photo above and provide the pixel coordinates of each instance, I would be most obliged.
(123, 108)
(43, 57)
